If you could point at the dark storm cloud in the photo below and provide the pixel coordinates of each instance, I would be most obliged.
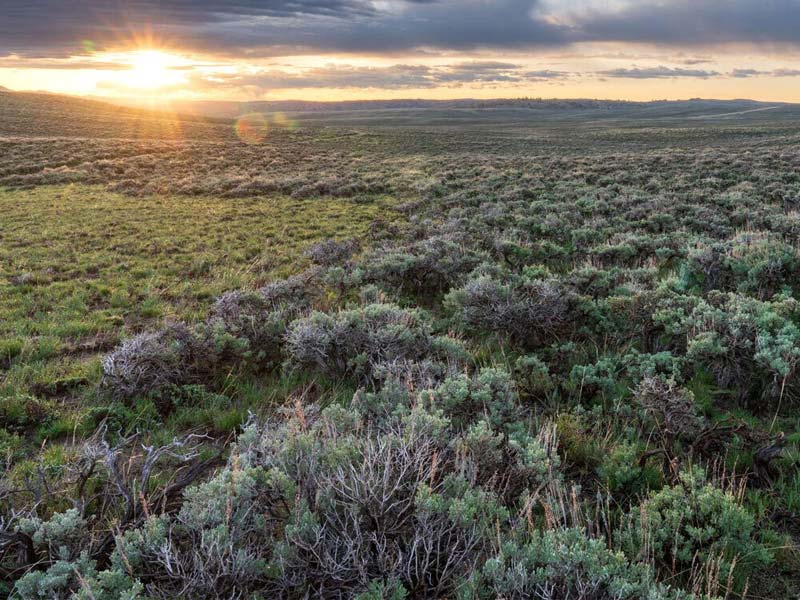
(55, 27)
(695, 22)
(399, 25)
(264, 27)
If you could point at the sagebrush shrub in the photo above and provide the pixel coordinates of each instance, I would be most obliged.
(242, 330)
(751, 263)
(682, 528)
(250, 317)
(331, 252)
(671, 410)
(530, 312)
(176, 355)
(491, 394)
(426, 268)
(217, 546)
(297, 292)
(558, 564)
(359, 342)
(750, 345)
(532, 376)
(77, 579)
(619, 469)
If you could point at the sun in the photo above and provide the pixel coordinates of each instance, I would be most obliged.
(144, 72)
(151, 69)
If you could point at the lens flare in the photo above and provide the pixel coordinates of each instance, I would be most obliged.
(281, 121)
(252, 128)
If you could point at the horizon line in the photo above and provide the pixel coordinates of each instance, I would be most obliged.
(153, 99)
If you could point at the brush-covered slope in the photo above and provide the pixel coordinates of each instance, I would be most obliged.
(34, 114)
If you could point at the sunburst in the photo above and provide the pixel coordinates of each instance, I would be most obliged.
(151, 69)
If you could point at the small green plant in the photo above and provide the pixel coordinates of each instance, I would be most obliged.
(566, 564)
(619, 470)
(695, 529)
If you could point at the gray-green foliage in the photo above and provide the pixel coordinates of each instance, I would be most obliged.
(335, 503)
(684, 526)
(78, 579)
(362, 342)
(528, 311)
(242, 330)
(70, 572)
(558, 564)
(746, 344)
(756, 263)
(149, 362)
(425, 268)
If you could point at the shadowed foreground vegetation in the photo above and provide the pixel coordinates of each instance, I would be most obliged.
(371, 362)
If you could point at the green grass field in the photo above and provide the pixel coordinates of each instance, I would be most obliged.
(84, 268)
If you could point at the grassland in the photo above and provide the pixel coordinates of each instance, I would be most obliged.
(85, 268)
(486, 355)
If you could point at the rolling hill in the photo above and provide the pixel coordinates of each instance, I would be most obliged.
(35, 114)
(529, 112)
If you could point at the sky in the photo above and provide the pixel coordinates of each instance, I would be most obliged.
(371, 49)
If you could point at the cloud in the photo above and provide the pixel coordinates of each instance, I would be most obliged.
(248, 28)
(403, 26)
(409, 76)
(477, 72)
(55, 27)
(671, 73)
(275, 27)
(15, 62)
(657, 73)
(545, 75)
(745, 73)
(394, 77)
(695, 61)
(688, 22)
(400, 76)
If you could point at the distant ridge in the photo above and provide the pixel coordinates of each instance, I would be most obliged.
(233, 109)
(35, 114)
